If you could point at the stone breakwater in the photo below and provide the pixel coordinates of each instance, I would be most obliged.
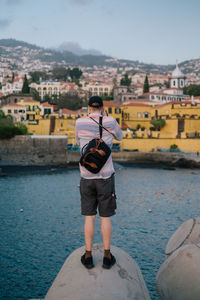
(34, 151)
(52, 151)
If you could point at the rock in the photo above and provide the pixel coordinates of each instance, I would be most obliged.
(179, 276)
(123, 281)
(188, 232)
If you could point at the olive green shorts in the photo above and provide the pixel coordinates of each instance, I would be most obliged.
(98, 193)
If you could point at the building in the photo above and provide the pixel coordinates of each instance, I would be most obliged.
(17, 111)
(98, 89)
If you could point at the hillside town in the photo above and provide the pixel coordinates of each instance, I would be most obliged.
(153, 109)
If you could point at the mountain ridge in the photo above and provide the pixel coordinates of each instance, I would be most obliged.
(47, 55)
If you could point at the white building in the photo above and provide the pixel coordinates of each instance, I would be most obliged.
(17, 111)
(98, 89)
(177, 79)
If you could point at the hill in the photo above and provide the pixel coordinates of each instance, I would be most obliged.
(21, 54)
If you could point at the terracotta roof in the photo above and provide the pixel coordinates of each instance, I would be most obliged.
(175, 102)
(68, 111)
(110, 103)
(14, 104)
(136, 104)
(47, 105)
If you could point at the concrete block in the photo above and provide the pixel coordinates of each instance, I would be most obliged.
(123, 281)
(188, 232)
(179, 276)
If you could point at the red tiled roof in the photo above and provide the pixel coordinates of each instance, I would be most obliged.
(68, 111)
(175, 102)
(14, 104)
(47, 105)
(110, 103)
(136, 104)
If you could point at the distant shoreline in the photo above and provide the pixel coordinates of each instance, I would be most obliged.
(169, 161)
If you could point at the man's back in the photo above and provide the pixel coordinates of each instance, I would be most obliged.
(87, 129)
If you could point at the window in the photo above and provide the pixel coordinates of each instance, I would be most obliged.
(117, 110)
(47, 111)
(110, 110)
(145, 115)
(117, 119)
(9, 111)
(15, 111)
(139, 115)
(174, 83)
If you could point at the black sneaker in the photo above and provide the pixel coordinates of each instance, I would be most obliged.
(87, 262)
(108, 262)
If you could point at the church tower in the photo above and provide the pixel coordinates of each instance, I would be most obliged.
(177, 79)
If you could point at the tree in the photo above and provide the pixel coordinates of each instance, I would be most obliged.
(36, 75)
(61, 74)
(146, 85)
(35, 94)
(75, 74)
(125, 80)
(25, 88)
(13, 76)
(192, 90)
(158, 124)
(71, 101)
(8, 129)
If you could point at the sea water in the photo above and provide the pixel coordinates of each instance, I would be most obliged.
(40, 222)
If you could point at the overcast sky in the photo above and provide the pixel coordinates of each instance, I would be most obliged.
(152, 31)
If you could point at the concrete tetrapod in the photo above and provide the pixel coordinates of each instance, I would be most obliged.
(123, 281)
(188, 232)
(179, 276)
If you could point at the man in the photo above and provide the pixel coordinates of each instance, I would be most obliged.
(97, 190)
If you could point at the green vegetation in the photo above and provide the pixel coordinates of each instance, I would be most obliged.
(75, 74)
(125, 80)
(158, 124)
(174, 148)
(8, 129)
(25, 88)
(192, 90)
(146, 85)
(71, 101)
(36, 75)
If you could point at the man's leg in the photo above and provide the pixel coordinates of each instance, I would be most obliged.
(106, 231)
(89, 232)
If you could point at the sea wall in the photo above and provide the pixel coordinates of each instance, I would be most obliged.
(34, 150)
(146, 145)
(52, 150)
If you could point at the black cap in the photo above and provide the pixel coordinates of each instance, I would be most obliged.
(95, 101)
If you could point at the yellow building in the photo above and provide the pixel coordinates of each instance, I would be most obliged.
(114, 110)
(31, 107)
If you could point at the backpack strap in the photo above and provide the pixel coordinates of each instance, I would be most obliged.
(100, 126)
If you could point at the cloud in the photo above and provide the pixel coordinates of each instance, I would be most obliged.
(14, 2)
(4, 23)
(75, 48)
(81, 2)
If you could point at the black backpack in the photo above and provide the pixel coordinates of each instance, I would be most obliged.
(95, 154)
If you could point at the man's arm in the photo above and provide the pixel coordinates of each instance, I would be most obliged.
(117, 131)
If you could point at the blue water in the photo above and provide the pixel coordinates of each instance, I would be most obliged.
(35, 242)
